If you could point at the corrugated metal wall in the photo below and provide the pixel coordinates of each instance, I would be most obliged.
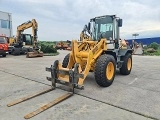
(145, 41)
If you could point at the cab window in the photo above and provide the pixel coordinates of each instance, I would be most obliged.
(3, 40)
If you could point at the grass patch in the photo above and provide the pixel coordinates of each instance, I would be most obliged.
(153, 49)
(157, 53)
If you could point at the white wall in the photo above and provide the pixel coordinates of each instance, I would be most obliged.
(7, 31)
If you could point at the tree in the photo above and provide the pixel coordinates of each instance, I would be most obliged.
(154, 45)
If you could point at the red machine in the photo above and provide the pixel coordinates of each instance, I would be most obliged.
(3, 45)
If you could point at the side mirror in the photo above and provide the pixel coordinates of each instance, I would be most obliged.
(120, 23)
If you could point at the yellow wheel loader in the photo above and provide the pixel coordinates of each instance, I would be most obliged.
(100, 50)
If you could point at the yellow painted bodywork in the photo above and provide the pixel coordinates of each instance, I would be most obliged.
(11, 40)
(129, 64)
(110, 71)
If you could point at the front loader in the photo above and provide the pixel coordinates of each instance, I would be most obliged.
(100, 50)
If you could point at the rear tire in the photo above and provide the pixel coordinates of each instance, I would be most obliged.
(105, 70)
(65, 61)
(127, 64)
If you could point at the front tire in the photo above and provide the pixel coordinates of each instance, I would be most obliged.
(65, 61)
(105, 70)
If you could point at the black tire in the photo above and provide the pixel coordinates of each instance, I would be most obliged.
(100, 70)
(12, 52)
(124, 70)
(4, 55)
(65, 61)
(15, 51)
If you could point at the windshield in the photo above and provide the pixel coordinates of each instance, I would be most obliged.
(3, 40)
(28, 39)
(103, 26)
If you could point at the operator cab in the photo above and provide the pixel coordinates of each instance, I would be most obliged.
(105, 27)
(24, 39)
(27, 39)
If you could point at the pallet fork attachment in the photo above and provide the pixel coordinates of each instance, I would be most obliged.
(54, 80)
(47, 106)
(28, 97)
(42, 108)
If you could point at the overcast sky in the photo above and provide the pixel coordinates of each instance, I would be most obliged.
(65, 19)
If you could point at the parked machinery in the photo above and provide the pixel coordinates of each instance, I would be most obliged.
(63, 45)
(25, 43)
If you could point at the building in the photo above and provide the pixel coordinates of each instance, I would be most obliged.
(146, 41)
(6, 24)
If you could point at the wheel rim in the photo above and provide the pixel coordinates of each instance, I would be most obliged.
(129, 64)
(109, 70)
